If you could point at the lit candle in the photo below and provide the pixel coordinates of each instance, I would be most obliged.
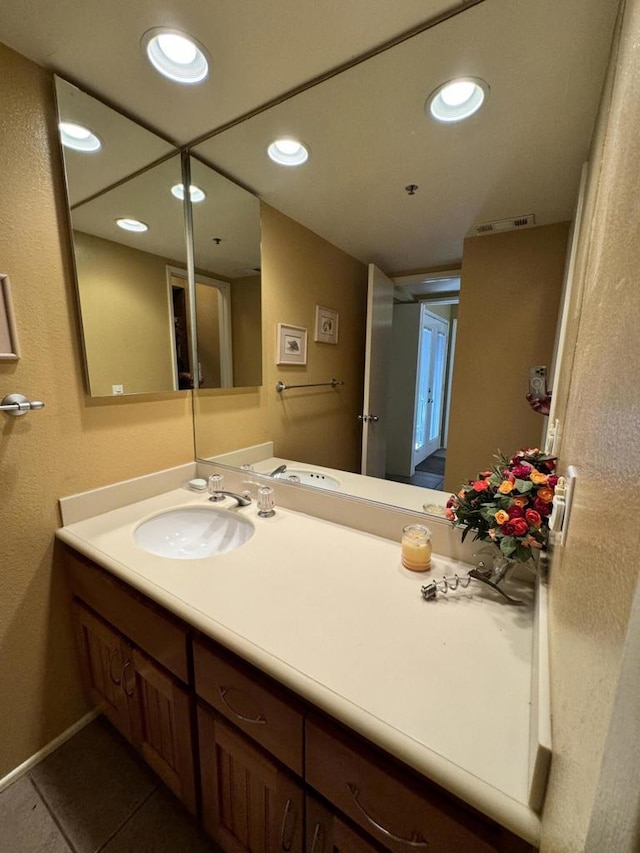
(416, 547)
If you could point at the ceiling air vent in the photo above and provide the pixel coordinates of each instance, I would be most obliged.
(505, 224)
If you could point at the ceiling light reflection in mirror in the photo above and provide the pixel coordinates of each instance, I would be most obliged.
(126, 147)
(132, 285)
(521, 153)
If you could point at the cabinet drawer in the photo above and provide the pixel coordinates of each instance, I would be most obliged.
(397, 809)
(150, 628)
(263, 710)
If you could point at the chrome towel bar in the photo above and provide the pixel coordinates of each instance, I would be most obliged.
(280, 386)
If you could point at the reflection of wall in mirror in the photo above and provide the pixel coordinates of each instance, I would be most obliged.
(319, 425)
(509, 300)
(246, 331)
(125, 315)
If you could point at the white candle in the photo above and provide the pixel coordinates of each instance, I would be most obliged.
(416, 547)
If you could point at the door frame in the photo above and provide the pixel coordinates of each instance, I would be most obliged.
(224, 324)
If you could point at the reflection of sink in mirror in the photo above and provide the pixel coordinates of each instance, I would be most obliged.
(309, 478)
(191, 533)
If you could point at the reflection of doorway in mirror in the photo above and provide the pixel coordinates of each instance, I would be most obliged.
(181, 337)
(420, 391)
(213, 333)
(213, 330)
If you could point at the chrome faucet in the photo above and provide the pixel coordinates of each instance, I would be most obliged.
(279, 470)
(221, 494)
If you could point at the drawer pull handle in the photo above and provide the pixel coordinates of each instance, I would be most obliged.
(222, 692)
(113, 656)
(287, 844)
(415, 841)
(316, 835)
(130, 692)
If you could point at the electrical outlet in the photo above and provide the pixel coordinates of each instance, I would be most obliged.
(117, 389)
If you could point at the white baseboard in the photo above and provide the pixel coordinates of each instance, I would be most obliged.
(39, 756)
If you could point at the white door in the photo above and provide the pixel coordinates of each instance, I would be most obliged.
(377, 354)
(432, 364)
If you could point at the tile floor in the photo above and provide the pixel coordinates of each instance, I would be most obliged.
(94, 794)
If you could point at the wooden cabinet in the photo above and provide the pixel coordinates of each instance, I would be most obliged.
(249, 802)
(150, 708)
(390, 805)
(148, 626)
(101, 661)
(161, 724)
(327, 832)
(262, 709)
(262, 750)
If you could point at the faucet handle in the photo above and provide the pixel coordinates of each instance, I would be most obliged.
(266, 502)
(216, 484)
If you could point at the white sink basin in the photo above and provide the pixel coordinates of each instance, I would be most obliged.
(309, 478)
(190, 533)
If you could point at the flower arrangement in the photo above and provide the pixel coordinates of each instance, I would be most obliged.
(509, 504)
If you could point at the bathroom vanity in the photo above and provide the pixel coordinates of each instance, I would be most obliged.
(297, 692)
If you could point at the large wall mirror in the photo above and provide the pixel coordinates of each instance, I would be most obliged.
(470, 220)
(137, 308)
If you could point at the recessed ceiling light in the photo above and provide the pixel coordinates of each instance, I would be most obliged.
(176, 55)
(457, 99)
(288, 152)
(195, 193)
(78, 137)
(131, 225)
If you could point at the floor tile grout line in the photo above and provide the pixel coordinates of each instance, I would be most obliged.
(128, 818)
(52, 814)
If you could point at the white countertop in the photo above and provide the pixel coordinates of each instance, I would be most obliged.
(331, 613)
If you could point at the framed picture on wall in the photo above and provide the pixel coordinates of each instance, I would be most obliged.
(291, 344)
(326, 325)
(8, 334)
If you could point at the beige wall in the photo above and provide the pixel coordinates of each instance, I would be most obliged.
(592, 580)
(509, 300)
(73, 444)
(318, 425)
(246, 331)
(125, 316)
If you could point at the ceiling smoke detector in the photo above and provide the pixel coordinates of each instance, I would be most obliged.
(498, 225)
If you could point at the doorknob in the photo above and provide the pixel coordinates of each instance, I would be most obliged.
(373, 419)
(368, 419)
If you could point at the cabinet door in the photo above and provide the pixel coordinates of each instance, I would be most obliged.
(249, 803)
(101, 662)
(160, 711)
(326, 832)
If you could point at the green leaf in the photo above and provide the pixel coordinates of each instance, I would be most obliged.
(508, 545)
(523, 553)
(524, 486)
(488, 511)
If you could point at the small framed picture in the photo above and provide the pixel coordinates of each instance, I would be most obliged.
(291, 344)
(326, 325)
(8, 334)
